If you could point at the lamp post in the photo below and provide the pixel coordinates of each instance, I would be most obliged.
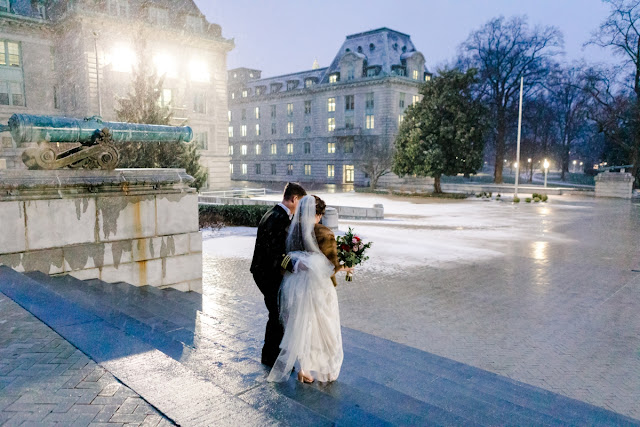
(519, 131)
(574, 165)
(95, 47)
(546, 169)
(529, 160)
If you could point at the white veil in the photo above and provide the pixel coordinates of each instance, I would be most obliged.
(301, 236)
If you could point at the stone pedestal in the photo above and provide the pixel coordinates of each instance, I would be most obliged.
(611, 184)
(138, 226)
(330, 218)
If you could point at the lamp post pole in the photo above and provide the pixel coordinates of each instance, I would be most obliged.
(519, 131)
(546, 169)
(95, 47)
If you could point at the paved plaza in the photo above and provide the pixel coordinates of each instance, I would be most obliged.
(545, 294)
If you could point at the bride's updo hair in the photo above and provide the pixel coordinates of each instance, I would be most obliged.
(321, 206)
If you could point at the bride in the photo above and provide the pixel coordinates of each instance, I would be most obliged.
(308, 300)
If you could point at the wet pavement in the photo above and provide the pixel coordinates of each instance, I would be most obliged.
(555, 307)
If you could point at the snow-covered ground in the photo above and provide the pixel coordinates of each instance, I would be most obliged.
(427, 232)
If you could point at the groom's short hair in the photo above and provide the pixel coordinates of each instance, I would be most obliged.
(293, 189)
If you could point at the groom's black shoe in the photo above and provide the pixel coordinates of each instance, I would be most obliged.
(268, 362)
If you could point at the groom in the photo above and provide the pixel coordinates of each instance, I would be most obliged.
(270, 262)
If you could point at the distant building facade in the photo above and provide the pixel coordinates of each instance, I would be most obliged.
(48, 65)
(308, 126)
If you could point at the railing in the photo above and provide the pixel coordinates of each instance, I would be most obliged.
(613, 168)
(243, 192)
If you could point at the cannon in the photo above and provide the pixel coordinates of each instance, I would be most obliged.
(98, 140)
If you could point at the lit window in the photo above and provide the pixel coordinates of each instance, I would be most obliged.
(233, 95)
(400, 119)
(274, 149)
(257, 111)
(349, 173)
(369, 101)
(415, 74)
(258, 91)
(401, 100)
(10, 53)
(244, 130)
(331, 105)
(331, 171)
(349, 102)
(273, 128)
(290, 128)
(333, 78)
(289, 169)
(244, 169)
(274, 168)
(258, 149)
(230, 131)
(290, 109)
(289, 148)
(231, 168)
(331, 147)
(416, 99)
(257, 129)
(258, 169)
(307, 107)
(348, 146)
(243, 150)
(229, 114)
(307, 170)
(245, 93)
(369, 121)
(273, 111)
(307, 148)
(427, 78)
(331, 124)
(308, 83)
(231, 150)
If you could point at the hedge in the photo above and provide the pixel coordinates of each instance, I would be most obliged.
(240, 215)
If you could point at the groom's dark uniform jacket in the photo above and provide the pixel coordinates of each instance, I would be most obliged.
(268, 265)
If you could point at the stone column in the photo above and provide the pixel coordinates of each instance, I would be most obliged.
(138, 226)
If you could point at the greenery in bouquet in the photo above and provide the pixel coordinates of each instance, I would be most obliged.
(351, 250)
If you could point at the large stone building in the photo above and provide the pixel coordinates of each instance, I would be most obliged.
(310, 126)
(48, 65)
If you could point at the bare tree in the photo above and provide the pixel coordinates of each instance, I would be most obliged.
(621, 33)
(375, 157)
(504, 51)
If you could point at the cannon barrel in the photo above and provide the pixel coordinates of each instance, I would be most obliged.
(30, 128)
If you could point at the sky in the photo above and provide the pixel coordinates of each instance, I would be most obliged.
(285, 36)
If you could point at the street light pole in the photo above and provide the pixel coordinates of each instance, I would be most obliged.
(546, 169)
(519, 131)
(95, 47)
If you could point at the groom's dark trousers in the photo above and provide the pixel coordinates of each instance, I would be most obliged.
(268, 265)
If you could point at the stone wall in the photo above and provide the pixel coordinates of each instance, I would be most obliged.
(138, 226)
(618, 185)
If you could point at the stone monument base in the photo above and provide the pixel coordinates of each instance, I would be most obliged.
(612, 184)
(138, 226)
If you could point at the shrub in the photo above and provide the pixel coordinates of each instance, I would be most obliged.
(528, 200)
(516, 200)
(545, 197)
(243, 215)
(536, 199)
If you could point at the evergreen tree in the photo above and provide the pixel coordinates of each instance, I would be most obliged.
(444, 133)
(143, 105)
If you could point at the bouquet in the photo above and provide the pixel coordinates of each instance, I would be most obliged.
(351, 250)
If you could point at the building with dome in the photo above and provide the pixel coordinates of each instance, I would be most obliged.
(309, 126)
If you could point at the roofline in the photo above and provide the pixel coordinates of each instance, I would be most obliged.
(377, 30)
(291, 74)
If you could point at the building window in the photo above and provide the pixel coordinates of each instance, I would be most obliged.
(289, 169)
(400, 119)
(230, 131)
(4, 5)
(200, 103)
(258, 169)
(369, 121)
(274, 149)
(331, 124)
(289, 109)
(274, 169)
(116, 7)
(243, 150)
(202, 140)
(331, 105)
(165, 98)
(331, 147)
(56, 98)
(243, 130)
(10, 53)
(244, 169)
(415, 74)
(231, 168)
(258, 91)
(427, 78)
(258, 149)
(11, 93)
(245, 93)
(290, 128)
(401, 100)
(351, 74)
(194, 23)
(349, 102)
(257, 111)
(52, 58)
(233, 95)
(333, 78)
(307, 130)
(273, 111)
(273, 128)
(369, 101)
(307, 107)
(348, 145)
(229, 114)
(158, 15)
(348, 122)
(307, 170)
(307, 148)
(416, 99)
(372, 72)
(243, 116)
(308, 83)
(331, 171)
(257, 129)
(289, 148)
(291, 85)
(230, 150)
(349, 174)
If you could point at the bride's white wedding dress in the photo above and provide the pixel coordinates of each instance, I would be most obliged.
(308, 306)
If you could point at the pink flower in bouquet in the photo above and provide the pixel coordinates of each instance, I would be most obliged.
(354, 241)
